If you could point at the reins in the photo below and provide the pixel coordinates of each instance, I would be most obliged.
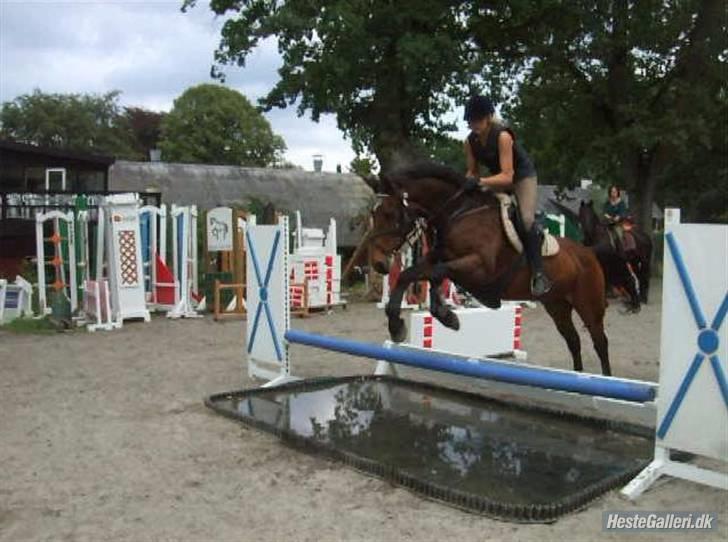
(415, 226)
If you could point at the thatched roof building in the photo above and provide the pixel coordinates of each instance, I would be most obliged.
(319, 196)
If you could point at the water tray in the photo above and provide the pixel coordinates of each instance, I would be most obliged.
(462, 449)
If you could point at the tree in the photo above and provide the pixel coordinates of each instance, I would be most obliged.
(213, 124)
(83, 122)
(145, 128)
(364, 166)
(386, 69)
(617, 90)
(445, 150)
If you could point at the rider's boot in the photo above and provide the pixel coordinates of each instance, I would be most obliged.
(540, 283)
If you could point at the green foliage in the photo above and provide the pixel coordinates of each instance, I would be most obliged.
(386, 69)
(363, 165)
(255, 206)
(613, 90)
(82, 122)
(445, 150)
(619, 91)
(145, 128)
(213, 124)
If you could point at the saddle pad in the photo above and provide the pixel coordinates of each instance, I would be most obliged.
(549, 247)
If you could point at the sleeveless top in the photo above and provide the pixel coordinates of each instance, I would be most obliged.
(488, 154)
(616, 209)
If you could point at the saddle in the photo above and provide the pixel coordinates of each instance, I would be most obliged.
(511, 225)
(626, 242)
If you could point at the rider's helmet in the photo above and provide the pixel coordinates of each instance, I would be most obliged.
(478, 107)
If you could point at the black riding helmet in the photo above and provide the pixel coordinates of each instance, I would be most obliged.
(478, 107)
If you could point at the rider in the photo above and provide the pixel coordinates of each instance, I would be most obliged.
(615, 212)
(495, 146)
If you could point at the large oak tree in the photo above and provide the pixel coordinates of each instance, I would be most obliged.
(384, 68)
(632, 92)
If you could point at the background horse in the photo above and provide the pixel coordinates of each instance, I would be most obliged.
(630, 271)
(472, 250)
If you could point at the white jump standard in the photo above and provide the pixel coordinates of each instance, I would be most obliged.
(267, 297)
(692, 384)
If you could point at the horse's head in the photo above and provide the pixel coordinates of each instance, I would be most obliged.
(390, 225)
(589, 222)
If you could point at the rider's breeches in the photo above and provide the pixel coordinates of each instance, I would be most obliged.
(527, 191)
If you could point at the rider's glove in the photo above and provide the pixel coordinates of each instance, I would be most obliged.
(472, 184)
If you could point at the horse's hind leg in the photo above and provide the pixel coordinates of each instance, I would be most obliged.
(644, 277)
(560, 312)
(593, 317)
(632, 285)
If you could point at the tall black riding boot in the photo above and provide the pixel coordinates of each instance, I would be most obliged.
(540, 283)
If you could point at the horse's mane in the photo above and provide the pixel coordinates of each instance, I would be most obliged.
(422, 170)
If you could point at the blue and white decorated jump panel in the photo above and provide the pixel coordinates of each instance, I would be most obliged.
(267, 300)
(693, 403)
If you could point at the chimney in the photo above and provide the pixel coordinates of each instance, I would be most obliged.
(318, 162)
(155, 155)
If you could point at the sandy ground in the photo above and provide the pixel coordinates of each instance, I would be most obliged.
(105, 436)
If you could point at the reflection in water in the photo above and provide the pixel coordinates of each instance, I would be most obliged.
(452, 439)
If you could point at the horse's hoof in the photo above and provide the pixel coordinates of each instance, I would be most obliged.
(397, 330)
(447, 317)
(630, 308)
(450, 320)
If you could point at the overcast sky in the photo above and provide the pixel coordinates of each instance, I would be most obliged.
(151, 52)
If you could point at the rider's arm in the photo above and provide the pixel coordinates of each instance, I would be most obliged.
(472, 163)
(505, 156)
(609, 213)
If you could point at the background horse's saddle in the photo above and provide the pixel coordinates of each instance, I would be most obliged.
(549, 247)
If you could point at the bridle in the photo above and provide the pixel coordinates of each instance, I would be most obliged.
(409, 227)
(415, 220)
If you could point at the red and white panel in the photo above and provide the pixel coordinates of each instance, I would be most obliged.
(483, 332)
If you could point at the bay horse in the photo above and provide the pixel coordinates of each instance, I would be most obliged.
(471, 249)
(630, 270)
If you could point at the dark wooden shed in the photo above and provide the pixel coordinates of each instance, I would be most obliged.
(33, 179)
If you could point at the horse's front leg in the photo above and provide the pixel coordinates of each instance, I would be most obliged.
(438, 308)
(422, 270)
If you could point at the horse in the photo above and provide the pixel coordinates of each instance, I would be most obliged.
(471, 249)
(630, 271)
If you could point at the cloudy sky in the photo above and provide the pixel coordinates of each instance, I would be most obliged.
(151, 52)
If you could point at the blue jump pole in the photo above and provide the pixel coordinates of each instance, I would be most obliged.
(483, 368)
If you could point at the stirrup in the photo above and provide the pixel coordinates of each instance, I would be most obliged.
(540, 284)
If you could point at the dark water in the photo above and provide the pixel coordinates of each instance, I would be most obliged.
(452, 439)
